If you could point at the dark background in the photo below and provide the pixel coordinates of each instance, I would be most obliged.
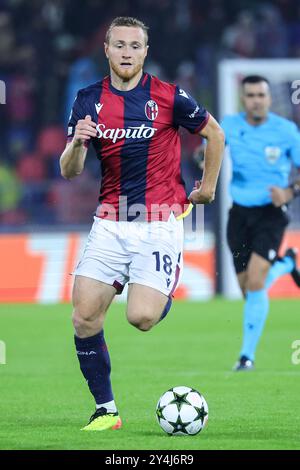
(51, 48)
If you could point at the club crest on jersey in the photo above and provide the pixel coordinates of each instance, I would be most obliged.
(151, 110)
(272, 154)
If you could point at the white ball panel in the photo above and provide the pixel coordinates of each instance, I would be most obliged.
(166, 426)
(166, 398)
(194, 427)
(179, 433)
(195, 399)
(170, 413)
(187, 413)
(181, 390)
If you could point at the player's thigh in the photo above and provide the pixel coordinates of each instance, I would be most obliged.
(238, 238)
(144, 305)
(257, 271)
(91, 298)
(155, 270)
(157, 261)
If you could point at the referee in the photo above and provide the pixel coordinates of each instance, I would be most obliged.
(263, 149)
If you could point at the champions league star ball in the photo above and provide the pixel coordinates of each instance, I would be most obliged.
(182, 411)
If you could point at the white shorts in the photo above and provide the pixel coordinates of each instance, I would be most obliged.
(147, 253)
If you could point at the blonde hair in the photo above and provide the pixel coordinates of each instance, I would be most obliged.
(128, 21)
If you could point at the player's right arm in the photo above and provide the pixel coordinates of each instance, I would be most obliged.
(73, 157)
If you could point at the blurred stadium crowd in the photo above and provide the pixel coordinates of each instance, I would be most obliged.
(51, 48)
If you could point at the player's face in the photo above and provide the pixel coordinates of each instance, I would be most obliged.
(126, 51)
(256, 100)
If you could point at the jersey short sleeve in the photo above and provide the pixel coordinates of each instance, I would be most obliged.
(78, 112)
(295, 145)
(188, 113)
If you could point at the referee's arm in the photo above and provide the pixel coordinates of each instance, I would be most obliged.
(281, 196)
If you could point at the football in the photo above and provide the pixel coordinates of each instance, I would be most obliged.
(182, 411)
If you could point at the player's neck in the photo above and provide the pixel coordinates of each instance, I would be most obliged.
(125, 85)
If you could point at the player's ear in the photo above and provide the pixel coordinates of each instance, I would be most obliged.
(147, 47)
(105, 49)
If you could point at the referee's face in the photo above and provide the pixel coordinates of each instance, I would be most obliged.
(256, 99)
(126, 51)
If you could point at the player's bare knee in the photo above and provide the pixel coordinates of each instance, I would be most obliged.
(78, 321)
(141, 325)
(142, 322)
(146, 325)
(86, 325)
(80, 324)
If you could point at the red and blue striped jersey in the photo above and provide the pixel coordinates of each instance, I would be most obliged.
(138, 145)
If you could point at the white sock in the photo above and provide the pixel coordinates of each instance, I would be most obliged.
(109, 405)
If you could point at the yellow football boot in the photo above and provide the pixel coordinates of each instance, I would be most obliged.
(101, 420)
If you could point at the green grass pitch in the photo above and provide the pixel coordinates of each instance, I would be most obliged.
(45, 401)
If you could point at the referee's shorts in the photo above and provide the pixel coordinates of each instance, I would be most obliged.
(258, 229)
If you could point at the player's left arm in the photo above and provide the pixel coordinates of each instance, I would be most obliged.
(205, 190)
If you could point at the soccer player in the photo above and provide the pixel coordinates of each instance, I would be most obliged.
(132, 120)
(263, 146)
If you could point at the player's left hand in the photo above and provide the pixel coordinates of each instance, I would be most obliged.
(280, 196)
(201, 195)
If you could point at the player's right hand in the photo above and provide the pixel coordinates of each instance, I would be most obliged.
(85, 129)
